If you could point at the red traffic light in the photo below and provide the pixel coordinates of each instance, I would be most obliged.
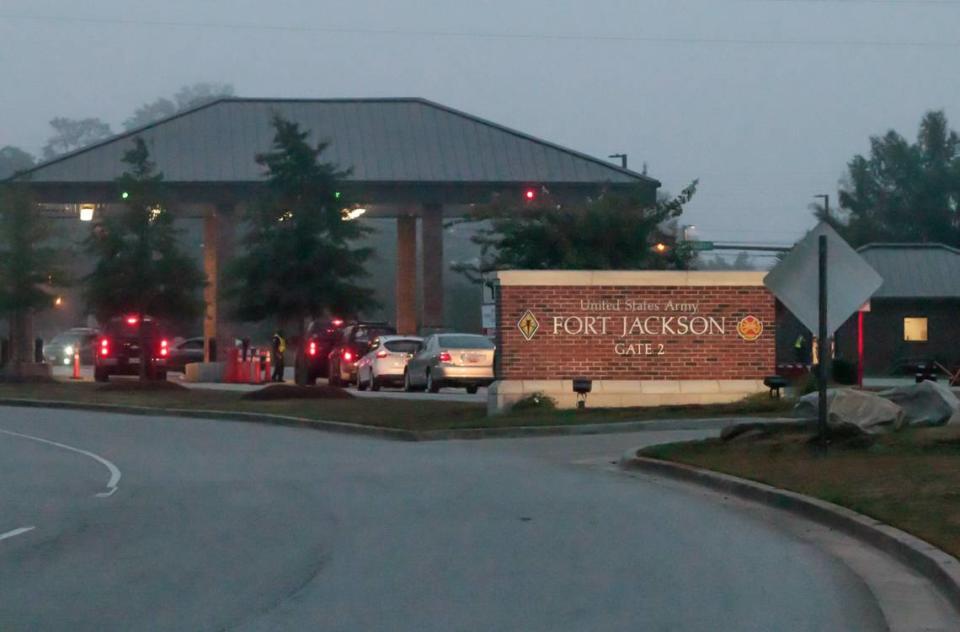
(530, 195)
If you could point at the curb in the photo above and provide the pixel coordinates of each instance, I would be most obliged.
(942, 569)
(221, 415)
(518, 432)
(343, 427)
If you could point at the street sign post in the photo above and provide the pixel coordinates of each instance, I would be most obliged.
(823, 281)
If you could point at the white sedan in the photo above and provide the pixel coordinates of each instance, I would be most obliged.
(385, 361)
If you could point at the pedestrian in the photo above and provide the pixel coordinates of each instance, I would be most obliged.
(800, 349)
(279, 347)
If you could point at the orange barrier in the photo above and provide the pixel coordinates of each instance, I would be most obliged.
(255, 369)
(231, 372)
(268, 374)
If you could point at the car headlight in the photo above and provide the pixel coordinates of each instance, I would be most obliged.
(68, 350)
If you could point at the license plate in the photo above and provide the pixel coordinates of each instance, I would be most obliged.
(133, 360)
(472, 358)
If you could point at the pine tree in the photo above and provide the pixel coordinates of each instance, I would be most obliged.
(27, 269)
(299, 260)
(139, 266)
(612, 232)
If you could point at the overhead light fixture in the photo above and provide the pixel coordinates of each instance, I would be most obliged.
(352, 214)
(86, 212)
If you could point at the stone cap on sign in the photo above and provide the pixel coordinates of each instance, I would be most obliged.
(672, 278)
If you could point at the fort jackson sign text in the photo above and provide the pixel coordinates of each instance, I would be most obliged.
(623, 329)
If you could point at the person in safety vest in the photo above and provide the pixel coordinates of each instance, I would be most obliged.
(279, 347)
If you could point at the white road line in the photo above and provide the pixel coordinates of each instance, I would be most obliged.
(114, 470)
(15, 532)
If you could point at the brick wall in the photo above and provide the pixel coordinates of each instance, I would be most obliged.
(650, 355)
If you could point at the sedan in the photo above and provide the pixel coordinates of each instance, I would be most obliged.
(386, 360)
(61, 349)
(187, 352)
(451, 360)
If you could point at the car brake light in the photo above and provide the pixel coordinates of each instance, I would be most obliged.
(382, 354)
(347, 355)
(312, 350)
(104, 347)
(337, 322)
(164, 347)
(444, 356)
(132, 320)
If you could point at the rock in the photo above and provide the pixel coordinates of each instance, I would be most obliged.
(925, 404)
(854, 410)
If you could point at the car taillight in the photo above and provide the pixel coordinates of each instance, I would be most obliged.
(444, 356)
(382, 354)
(347, 355)
(104, 347)
(164, 348)
(312, 349)
(133, 320)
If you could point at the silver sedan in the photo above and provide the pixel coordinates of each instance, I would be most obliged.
(451, 360)
(385, 362)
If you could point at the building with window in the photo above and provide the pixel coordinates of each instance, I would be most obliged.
(913, 317)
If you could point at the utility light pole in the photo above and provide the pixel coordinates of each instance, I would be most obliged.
(622, 157)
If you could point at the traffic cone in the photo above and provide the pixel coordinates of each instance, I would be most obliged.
(268, 374)
(76, 366)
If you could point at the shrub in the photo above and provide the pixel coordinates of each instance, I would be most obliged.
(535, 401)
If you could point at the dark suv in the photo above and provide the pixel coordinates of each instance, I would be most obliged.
(350, 346)
(117, 349)
(320, 337)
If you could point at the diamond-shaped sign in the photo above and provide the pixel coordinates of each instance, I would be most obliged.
(528, 325)
(796, 280)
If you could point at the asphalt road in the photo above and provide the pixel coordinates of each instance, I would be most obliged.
(218, 525)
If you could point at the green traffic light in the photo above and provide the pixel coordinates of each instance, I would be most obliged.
(337, 195)
(124, 195)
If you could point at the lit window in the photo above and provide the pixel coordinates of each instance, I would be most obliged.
(915, 329)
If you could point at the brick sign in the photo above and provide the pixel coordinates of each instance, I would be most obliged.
(635, 326)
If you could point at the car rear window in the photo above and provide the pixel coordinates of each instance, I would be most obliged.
(366, 334)
(465, 342)
(403, 346)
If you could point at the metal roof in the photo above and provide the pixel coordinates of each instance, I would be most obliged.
(401, 140)
(915, 270)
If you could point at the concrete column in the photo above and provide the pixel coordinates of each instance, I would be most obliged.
(407, 274)
(218, 231)
(431, 238)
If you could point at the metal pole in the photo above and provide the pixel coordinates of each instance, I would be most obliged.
(860, 349)
(824, 360)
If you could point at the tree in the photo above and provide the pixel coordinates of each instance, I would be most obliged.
(71, 134)
(743, 261)
(611, 232)
(199, 93)
(13, 160)
(299, 260)
(150, 112)
(186, 97)
(139, 267)
(904, 192)
(27, 269)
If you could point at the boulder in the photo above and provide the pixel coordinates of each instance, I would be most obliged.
(853, 410)
(925, 404)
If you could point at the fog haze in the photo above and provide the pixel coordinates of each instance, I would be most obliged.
(764, 101)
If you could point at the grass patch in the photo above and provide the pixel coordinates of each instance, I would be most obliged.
(910, 479)
(407, 414)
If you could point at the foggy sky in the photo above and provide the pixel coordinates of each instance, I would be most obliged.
(760, 99)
